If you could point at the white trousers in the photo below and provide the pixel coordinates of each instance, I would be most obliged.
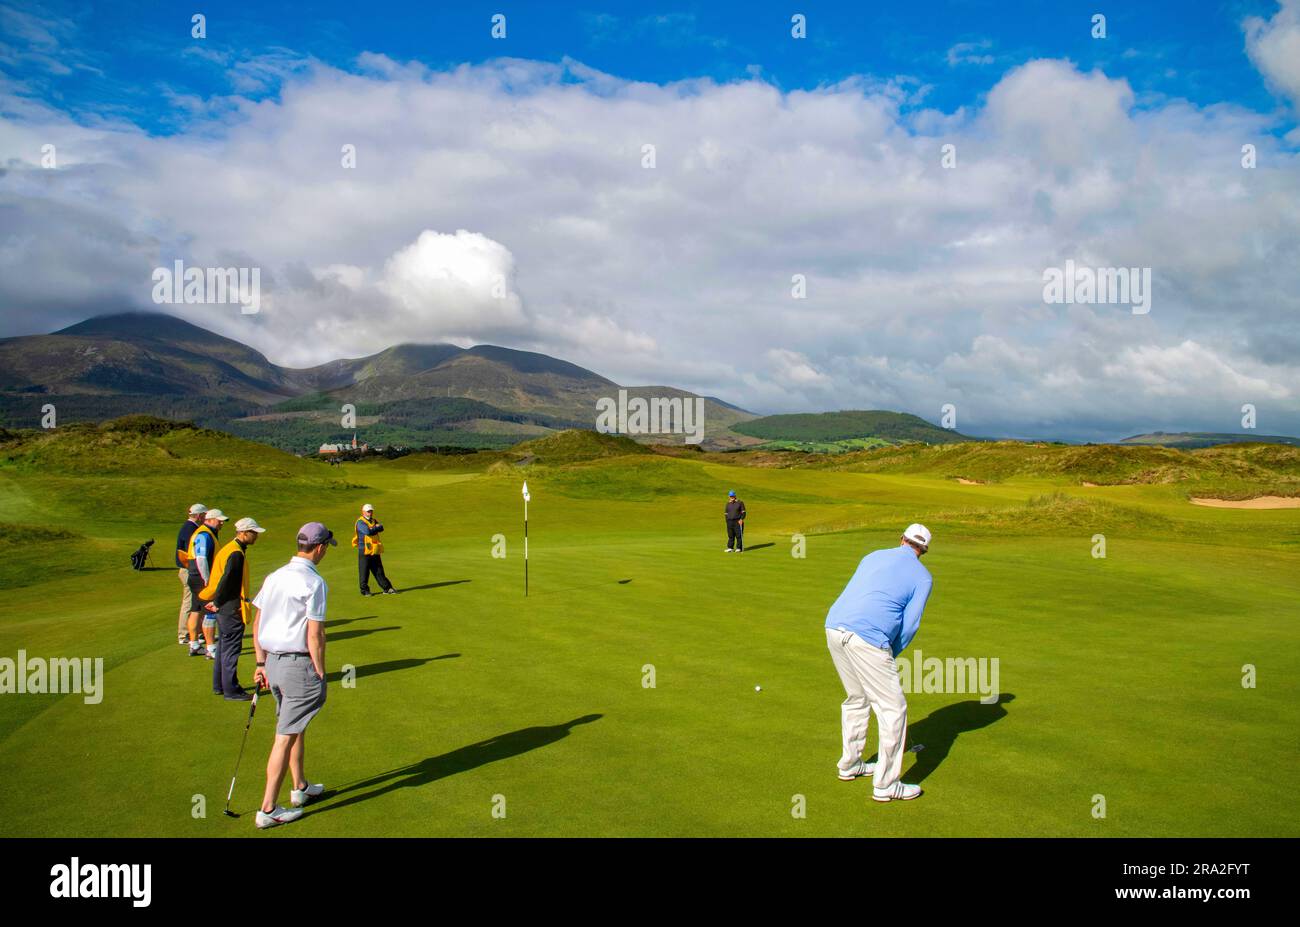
(870, 679)
(186, 603)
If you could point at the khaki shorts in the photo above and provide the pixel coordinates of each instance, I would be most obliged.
(299, 692)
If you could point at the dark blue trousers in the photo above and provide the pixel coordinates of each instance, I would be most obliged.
(230, 644)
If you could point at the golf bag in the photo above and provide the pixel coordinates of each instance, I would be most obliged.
(141, 555)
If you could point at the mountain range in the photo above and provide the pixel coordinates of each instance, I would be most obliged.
(136, 362)
(411, 394)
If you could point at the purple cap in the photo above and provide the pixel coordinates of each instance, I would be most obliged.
(314, 533)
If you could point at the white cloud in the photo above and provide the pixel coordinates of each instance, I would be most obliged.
(924, 284)
(970, 53)
(1274, 48)
(454, 284)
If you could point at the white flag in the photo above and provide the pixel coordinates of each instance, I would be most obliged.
(527, 498)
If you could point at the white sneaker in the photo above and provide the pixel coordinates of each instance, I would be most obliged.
(300, 797)
(278, 816)
(183, 639)
(899, 791)
(863, 768)
(727, 549)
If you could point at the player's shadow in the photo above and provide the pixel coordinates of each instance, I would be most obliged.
(617, 582)
(362, 632)
(336, 622)
(388, 666)
(462, 759)
(939, 730)
(759, 546)
(450, 582)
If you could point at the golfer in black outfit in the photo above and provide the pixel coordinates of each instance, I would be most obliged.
(228, 598)
(735, 513)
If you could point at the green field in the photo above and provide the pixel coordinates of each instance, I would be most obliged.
(1119, 677)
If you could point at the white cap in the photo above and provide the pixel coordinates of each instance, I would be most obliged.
(367, 507)
(918, 534)
(247, 524)
(217, 514)
(198, 508)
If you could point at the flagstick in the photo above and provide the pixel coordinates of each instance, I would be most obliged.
(525, 494)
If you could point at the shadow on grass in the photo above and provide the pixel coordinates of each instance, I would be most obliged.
(450, 582)
(614, 582)
(361, 632)
(336, 622)
(939, 730)
(760, 546)
(462, 759)
(388, 666)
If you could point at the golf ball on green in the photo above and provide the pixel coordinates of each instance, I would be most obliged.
(758, 688)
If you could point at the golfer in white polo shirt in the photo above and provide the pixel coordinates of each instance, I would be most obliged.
(871, 623)
(289, 637)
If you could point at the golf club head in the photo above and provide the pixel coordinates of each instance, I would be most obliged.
(916, 748)
(230, 814)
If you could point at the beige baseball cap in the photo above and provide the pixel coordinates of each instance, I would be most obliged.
(198, 508)
(367, 507)
(217, 514)
(248, 524)
(918, 534)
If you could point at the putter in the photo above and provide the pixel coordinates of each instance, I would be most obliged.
(916, 748)
(252, 707)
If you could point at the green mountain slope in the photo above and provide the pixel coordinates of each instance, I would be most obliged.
(892, 427)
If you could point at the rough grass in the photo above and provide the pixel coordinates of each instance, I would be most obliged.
(13, 534)
(574, 445)
(1261, 465)
(1055, 513)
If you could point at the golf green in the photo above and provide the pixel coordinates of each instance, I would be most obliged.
(619, 697)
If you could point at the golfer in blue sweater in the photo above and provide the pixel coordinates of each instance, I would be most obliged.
(871, 623)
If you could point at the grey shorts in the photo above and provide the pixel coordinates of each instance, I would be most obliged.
(299, 692)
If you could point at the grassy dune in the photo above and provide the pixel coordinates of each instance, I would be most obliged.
(1119, 676)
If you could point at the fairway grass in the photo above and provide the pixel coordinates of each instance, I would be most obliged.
(1120, 677)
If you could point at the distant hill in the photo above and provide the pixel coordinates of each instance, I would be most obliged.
(869, 427)
(413, 394)
(1194, 439)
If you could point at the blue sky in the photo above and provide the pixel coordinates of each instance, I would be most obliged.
(126, 57)
(500, 193)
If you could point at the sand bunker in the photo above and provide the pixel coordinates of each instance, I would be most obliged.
(1259, 502)
(966, 482)
(1091, 485)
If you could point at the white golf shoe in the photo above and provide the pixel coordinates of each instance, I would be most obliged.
(899, 791)
(300, 797)
(279, 815)
(863, 768)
